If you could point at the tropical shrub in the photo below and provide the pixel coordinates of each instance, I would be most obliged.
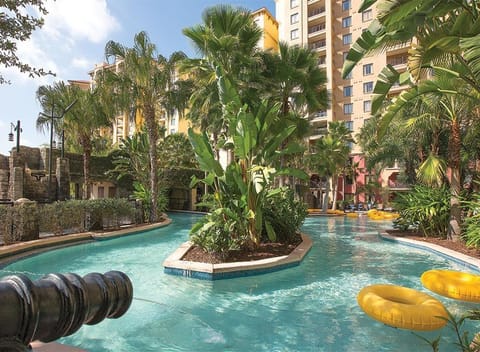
(424, 209)
(472, 221)
(219, 232)
(83, 215)
(285, 214)
(143, 194)
(243, 187)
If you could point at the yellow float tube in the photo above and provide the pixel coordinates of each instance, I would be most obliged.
(402, 307)
(453, 284)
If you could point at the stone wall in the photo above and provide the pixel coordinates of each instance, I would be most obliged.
(25, 174)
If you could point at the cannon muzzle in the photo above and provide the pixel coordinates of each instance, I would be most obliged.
(58, 305)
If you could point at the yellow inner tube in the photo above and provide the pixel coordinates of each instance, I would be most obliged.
(402, 307)
(453, 284)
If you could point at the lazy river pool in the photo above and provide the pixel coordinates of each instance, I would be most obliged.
(310, 307)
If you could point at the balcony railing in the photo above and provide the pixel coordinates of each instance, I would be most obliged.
(317, 28)
(321, 44)
(317, 11)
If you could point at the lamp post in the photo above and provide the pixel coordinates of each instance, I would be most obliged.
(17, 129)
(52, 117)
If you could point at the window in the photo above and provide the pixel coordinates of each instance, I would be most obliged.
(101, 192)
(346, 5)
(347, 91)
(367, 87)
(294, 34)
(367, 69)
(348, 109)
(367, 15)
(349, 76)
(347, 39)
(293, 3)
(111, 192)
(347, 21)
(349, 125)
(367, 106)
(294, 18)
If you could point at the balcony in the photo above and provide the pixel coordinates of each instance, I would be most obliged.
(318, 116)
(319, 131)
(318, 45)
(398, 186)
(314, 13)
(316, 30)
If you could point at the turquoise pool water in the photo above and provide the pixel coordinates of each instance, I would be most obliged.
(311, 307)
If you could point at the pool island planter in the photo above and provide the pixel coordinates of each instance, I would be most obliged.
(174, 265)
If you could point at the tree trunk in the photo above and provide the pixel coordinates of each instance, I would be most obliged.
(87, 153)
(334, 191)
(326, 197)
(152, 129)
(454, 145)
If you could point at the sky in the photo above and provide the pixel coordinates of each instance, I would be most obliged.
(72, 40)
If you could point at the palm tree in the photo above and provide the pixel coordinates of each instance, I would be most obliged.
(82, 123)
(456, 101)
(329, 157)
(227, 38)
(446, 35)
(293, 78)
(141, 84)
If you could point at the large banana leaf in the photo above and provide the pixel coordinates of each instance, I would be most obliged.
(386, 79)
(471, 47)
(204, 153)
(246, 133)
(364, 44)
(407, 96)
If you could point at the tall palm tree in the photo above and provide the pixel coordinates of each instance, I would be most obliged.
(141, 84)
(456, 100)
(446, 34)
(294, 79)
(82, 123)
(329, 157)
(226, 38)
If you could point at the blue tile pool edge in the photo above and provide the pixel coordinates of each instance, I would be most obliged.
(201, 275)
(174, 265)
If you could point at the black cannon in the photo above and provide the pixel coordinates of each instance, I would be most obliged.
(58, 305)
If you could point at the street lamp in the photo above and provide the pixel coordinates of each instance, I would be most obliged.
(17, 129)
(52, 117)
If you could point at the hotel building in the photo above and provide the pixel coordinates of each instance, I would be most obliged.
(330, 28)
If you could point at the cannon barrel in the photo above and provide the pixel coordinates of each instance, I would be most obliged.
(58, 305)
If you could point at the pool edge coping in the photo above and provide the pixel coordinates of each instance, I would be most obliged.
(9, 252)
(175, 266)
(449, 254)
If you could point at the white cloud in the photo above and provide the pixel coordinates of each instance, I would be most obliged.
(81, 20)
(83, 63)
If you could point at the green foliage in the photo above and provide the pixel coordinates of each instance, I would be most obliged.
(465, 343)
(285, 214)
(16, 26)
(220, 231)
(426, 209)
(242, 188)
(143, 194)
(83, 215)
(472, 221)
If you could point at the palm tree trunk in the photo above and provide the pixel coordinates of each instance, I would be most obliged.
(152, 129)
(326, 197)
(87, 153)
(454, 145)
(334, 191)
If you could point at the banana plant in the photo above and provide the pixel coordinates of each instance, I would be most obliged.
(247, 181)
